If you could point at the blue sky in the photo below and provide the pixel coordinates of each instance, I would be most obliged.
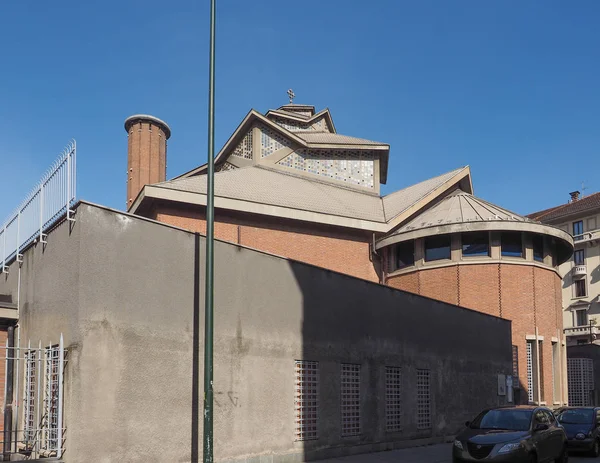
(509, 87)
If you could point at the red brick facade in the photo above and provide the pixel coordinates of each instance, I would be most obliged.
(507, 290)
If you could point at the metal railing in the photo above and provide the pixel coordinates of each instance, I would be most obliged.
(53, 196)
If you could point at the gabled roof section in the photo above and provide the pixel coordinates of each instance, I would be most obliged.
(585, 204)
(298, 117)
(403, 203)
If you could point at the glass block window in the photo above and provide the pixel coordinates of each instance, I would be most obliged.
(307, 400)
(29, 424)
(320, 125)
(271, 141)
(423, 399)
(225, 167)
(354, 167)
(393, 399)
(244, 148)
(350, 406)
(515, 366)
(530, 371)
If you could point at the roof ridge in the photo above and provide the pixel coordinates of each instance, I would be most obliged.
(422, 181)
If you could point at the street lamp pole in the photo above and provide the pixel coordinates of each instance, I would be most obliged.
(208, 441)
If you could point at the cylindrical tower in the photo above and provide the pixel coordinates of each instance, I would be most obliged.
(146, 153)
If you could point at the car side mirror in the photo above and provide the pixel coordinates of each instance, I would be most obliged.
(467, 423)
(540, 427)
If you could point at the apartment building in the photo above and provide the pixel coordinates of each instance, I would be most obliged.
(581, 274)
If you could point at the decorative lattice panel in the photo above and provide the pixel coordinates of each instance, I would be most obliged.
(580, 374)
(393, 399)
(271, 141)
(515, 366)
(350, 393)
(320, 125)
(225, 167)
(530, 371)
(307, 400)
(423, 399)
(52, 361)
(351, 166)
(244, 148)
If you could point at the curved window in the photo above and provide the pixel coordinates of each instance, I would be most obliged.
(512, 244)
(405, 254)
(437, 247)
(537, 243)
(476, 244)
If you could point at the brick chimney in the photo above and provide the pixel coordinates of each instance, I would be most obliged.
(146, 153)
(574, 196)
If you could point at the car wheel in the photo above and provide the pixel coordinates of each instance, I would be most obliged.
(564, 457)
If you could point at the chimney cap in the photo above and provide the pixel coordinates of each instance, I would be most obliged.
(574, 195)
(147, 118)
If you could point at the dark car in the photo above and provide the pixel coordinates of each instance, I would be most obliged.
(512, 434)
(581, 424)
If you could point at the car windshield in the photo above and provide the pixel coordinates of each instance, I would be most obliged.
(512, 420)
(577, 416)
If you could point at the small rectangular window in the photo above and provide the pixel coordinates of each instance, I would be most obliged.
(423, 399)
(393, 399)
(476, 244)
(405, 254)
(512, 244)
(581, 317)
(307, 400)
(579, 257)
(350, 395)
(515, 366)
(540, 353)
(537, 243)
(437, 247)
(580, 288)
(578, 230)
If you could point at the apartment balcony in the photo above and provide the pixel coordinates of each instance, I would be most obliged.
(581, 330)
(579, 271)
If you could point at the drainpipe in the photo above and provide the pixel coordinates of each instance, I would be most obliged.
(8, 415)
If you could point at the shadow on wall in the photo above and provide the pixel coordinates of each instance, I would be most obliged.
(381, 366)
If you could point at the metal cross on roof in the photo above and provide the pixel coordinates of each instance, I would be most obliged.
(291, 94)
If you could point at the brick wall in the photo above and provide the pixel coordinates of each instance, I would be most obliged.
(328, 247)
(526, 295)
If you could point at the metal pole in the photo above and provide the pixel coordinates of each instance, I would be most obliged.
(208, 441)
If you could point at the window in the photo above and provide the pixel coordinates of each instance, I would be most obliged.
(512, 244)
(579, 256)
(437, 247)
(537, 243)
(405, 254)
(530, 370)
(307, 400)
(581, 317)
(393, 399)
(515, 366)
(476, 244)
(555, 370)
(350, 400)
(580, 288)
(540, 353)
(578, 230)
(423, 399)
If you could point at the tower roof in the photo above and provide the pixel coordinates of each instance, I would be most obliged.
(147, 118)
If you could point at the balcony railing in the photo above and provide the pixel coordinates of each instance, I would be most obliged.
(580, 330)
(579, 271)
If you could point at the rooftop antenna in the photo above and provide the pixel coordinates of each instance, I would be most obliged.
(291, 95)
(583, 188)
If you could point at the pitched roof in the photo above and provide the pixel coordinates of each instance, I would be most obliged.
(264, 185)
(591, 202)
(327, 138)
(460, 207)
(397, 202)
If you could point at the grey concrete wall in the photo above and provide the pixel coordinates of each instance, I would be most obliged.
(123, 292)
